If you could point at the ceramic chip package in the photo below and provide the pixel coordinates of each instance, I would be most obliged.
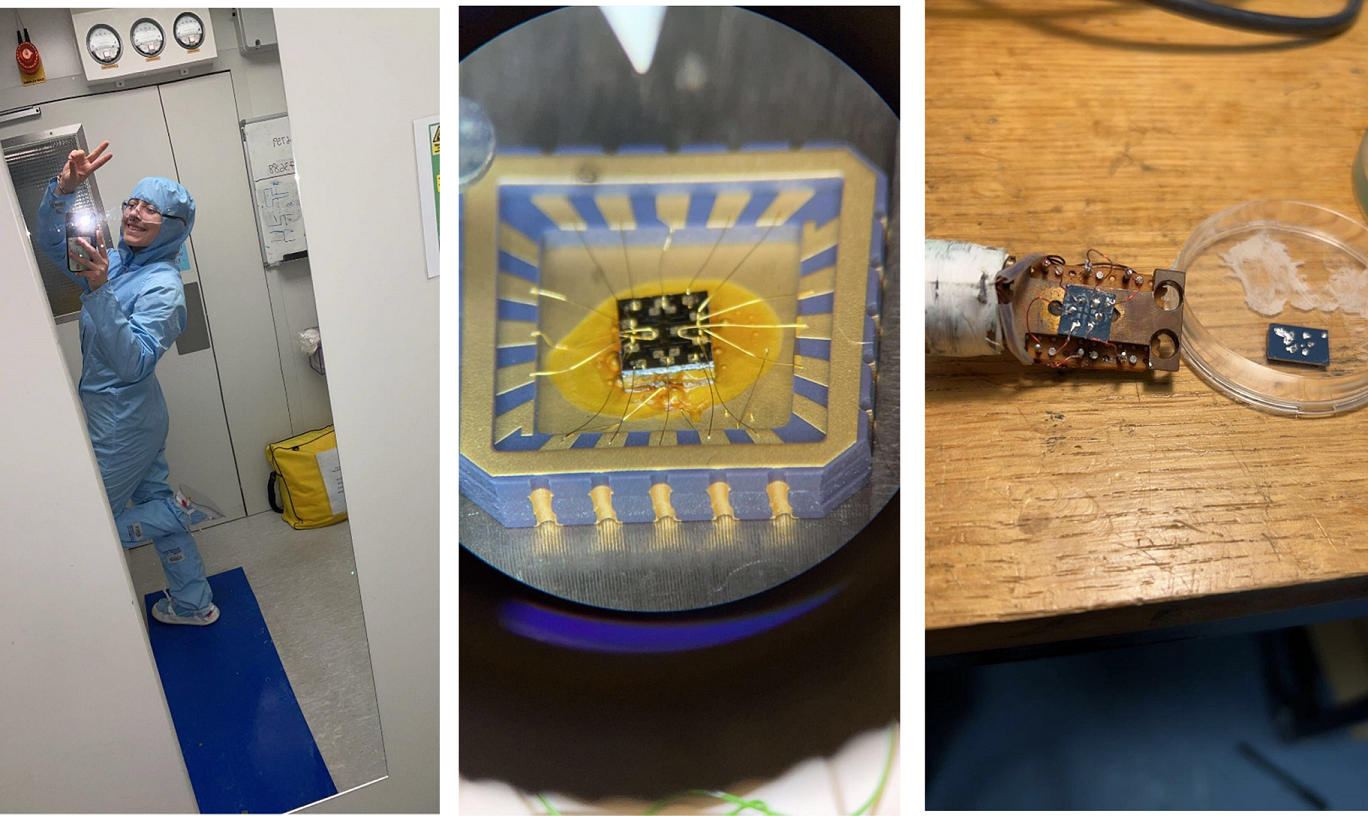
(690, 336)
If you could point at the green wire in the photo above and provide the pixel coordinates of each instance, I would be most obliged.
(758, 805)
(887, 771)
(741, 804)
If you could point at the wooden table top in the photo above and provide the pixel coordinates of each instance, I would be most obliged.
(1060, 507)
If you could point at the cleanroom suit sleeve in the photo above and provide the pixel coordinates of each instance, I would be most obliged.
(131, 345)
(52, 231)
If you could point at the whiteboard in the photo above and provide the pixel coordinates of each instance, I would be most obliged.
(275, 189)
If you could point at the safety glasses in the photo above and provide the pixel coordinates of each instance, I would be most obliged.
(146, 211)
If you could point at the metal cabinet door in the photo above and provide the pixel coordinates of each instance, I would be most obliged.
(199, 451)
(201, 116)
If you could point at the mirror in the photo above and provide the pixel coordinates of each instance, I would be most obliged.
(196, 352)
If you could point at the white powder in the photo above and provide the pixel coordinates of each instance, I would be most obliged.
(1272, 280)
(1349, 286)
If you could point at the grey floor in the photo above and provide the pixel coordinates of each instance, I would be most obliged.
(305, 582)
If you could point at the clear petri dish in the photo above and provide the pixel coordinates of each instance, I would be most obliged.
(1285, 262)
(1360, 174)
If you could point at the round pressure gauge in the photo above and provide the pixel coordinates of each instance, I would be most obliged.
(148, 37)
(189, 31)
(103, 44)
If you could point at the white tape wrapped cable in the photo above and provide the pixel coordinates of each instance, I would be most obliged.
(961, 304)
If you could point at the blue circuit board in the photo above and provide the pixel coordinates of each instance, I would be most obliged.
(1087, 313)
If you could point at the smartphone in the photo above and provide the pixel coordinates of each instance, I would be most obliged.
(80, 224)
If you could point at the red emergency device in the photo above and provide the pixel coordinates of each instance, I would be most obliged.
(27, 55)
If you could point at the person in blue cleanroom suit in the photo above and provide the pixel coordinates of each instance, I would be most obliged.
(132, 310)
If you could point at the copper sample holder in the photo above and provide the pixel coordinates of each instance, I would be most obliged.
(1146, 328)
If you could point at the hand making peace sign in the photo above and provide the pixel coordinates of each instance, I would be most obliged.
(80, 166)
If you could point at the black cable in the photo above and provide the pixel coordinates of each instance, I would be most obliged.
(1307, 795)
(1206, 11)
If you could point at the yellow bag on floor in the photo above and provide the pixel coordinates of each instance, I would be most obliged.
(309, 476)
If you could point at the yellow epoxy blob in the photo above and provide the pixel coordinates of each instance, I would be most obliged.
(746, 342)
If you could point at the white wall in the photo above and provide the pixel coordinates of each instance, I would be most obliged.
(260, 91)
(378, 312)
(83, 722)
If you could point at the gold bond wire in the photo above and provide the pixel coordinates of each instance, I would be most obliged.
(602, 275)
(688, 287)
(749, 252)
(631, 287)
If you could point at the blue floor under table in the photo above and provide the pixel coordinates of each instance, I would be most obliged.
(246, 743)
(1151, 727)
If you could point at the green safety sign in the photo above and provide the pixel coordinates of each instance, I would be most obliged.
(435, 138)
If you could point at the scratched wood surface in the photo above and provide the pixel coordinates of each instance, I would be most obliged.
(1058, 506)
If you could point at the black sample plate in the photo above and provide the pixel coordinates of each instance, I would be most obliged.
(662, 334)
(1298, 344)
(1087, 313)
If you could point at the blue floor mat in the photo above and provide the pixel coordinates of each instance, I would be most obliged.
(244, 738)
